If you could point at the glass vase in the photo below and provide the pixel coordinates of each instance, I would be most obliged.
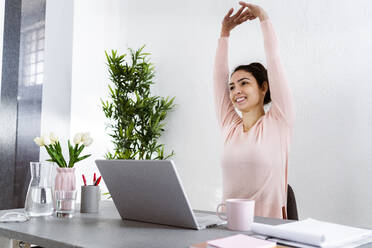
(39, 200)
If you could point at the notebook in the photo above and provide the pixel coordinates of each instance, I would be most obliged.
(315, 233)
(236, 241)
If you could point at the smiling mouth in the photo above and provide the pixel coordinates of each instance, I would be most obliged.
(241, 99)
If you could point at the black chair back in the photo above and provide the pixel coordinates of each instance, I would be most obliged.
(292, 213)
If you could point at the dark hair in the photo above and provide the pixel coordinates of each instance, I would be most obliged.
(259, 72)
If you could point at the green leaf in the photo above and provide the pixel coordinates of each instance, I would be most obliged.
(82, 158)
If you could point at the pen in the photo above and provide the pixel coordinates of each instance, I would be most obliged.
(85, 181)
(98, 180)
(94, 178)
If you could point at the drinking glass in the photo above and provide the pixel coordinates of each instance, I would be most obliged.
(65, 203)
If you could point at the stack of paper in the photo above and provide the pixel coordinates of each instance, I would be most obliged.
(314, 232)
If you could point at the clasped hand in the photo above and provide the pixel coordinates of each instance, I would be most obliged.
(251, 12)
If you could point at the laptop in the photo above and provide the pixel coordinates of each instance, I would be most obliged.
(151, 191)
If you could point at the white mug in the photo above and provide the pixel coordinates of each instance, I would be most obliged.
(239, 214)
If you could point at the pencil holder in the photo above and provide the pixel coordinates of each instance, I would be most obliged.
(90, 197)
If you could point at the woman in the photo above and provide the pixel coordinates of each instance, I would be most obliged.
(256, 145)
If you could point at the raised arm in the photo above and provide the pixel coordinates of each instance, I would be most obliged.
(281, 96)
(225, 111)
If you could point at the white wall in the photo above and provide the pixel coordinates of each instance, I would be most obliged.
(327, 53)
(56, 102)
(92, 33)
(328, 59)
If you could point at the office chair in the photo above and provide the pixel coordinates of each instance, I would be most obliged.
(291, 205)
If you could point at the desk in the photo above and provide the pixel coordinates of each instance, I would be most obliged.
(106, 229)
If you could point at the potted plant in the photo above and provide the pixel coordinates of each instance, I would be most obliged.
(136, 118)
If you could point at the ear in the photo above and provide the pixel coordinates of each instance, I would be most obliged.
(265, 87)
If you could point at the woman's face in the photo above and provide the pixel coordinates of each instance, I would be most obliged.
(244, 91)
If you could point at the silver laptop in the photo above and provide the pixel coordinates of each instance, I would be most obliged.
(151, 191)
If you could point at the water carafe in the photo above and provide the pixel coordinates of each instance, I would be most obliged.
(39, 200)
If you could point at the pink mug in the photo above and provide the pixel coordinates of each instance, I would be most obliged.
(239, 214)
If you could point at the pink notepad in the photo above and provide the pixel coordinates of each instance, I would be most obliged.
(241, 241)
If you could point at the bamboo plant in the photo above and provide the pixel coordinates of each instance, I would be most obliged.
(136, 118)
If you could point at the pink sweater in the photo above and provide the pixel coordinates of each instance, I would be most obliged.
(254, 163)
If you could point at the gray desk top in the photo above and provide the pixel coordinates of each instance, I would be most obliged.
(106, 229)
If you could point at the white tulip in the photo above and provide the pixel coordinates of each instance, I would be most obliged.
(88, 141)
(53, 138)
(84, 136)
(46, 140)
(39, 141)
(78, 138)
